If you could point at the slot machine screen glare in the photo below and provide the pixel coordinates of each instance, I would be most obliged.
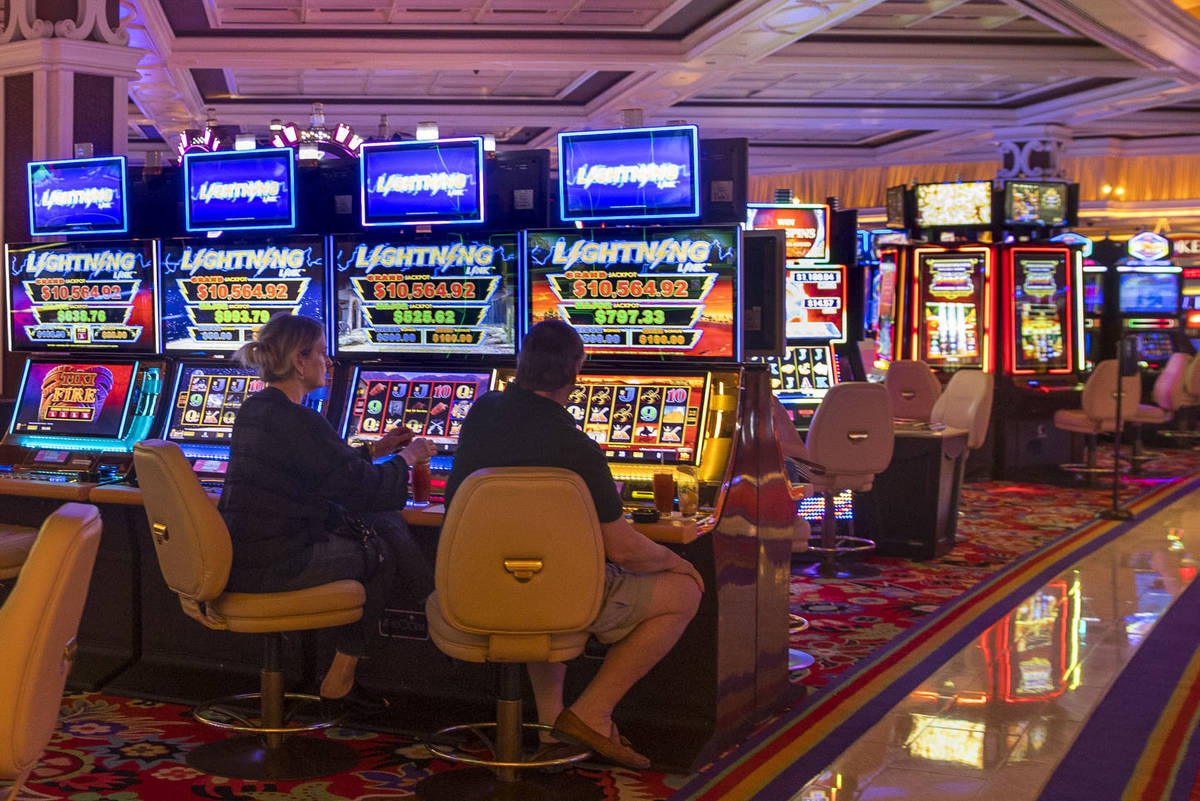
(642, 419)
(74, 197)
(422, 182)
(632, 173)
(953, 301)
(82, 297)
(85, 399)
(1040, 307)
(216, 296)
(430, 404)
(1042, 203)
(240, 189)
(805, 228)
(1149, 293)
(205, 402)
(450, 296)
(639, 292)
(947, 205)
(815, 303)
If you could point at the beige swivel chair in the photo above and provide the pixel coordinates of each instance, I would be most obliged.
(15, 542)
(38, 622)
(850, 440)
(195, 554)
(1098, 411)
(913, 389)
(966, 403)
(1169, 395)
(520, 575)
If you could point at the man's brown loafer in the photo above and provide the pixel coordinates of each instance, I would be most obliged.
(569, 728)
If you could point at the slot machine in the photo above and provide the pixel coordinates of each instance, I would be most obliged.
(948, 299)
(879, 318)
(1185, 252)
(1092, 291)
(1149, 297)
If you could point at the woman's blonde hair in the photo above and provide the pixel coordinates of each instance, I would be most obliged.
(276, 342)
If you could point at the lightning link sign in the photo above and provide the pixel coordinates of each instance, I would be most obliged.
(450, 184)
(664, 176)
(250, 191)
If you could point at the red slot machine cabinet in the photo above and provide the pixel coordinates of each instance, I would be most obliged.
(1185, 252)
(948, 307)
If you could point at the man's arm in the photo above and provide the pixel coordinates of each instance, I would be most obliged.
(628, 548)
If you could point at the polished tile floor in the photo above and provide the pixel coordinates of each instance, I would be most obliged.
(995, 720)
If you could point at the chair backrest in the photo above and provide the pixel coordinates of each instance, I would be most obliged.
(1191, 377)
(913, 388)
(966, 403)
(520, 554)
(38, 623)
(851, 431)
(1099, 400)
(190, 537)
(1169, 392)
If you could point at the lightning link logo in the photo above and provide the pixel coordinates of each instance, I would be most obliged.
(97, 263)
(263, 191)
(100, 197)
(451, 184)
(212, 260)
(649, 254)
(441, 257)
(664, 176)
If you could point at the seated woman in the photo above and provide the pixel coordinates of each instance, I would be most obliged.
(304, 508)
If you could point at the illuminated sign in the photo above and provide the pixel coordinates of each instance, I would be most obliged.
(77, 196)
(1072, 238)
(953, 307)
(639, 291)
(1148, 246)
(815, 303)
(240, 189)
(946, 205)
(1041, 203)
(422, 182)
(805, 228)
(81, 297)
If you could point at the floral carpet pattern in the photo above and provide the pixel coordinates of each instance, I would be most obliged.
(116, 749)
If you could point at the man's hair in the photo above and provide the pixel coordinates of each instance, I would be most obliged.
(549, 357)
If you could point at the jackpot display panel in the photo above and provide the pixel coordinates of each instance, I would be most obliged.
(805, 227)
(1041, 315)
(215, 296)
(953, 307)
(671, 293)
(453, 296)
(94, 297)
(815, 303)
(74, 197)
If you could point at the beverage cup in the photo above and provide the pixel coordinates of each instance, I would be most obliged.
(420, 483)
(664, 492)
(688, 489)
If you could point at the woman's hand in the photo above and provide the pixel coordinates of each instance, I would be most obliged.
(418, 451)
(391, 442)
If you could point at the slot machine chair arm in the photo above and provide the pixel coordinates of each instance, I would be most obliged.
(15, 542)
(195, 554)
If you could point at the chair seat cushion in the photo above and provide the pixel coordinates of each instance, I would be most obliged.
(1150, 414)
(15, 542)
(470, 647)
(1075, 420)
(332, 604)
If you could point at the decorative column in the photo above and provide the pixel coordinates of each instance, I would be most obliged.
(1032, 151)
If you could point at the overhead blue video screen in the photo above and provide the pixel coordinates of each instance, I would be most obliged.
(432, 182)
(633, 173)
(78, 196)
(240, 190)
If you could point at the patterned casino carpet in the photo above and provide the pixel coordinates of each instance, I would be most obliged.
(114, 749)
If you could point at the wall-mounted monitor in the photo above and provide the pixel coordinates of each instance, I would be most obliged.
(74, 197)
(1148, 293)
(76, 399)
(953, 205)
(240, 189)
(1040, 203)
(805, 227)
(430, 404)
(431, 182)
(815, 303)
(82, 297)
(633, 173)
(664, 293)
(450, 295)
(642, 419)
(215, 296)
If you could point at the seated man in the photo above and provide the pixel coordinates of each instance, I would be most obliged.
(650, 594)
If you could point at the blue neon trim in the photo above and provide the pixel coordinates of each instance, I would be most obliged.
(349, 401)
(421, 144)
(120, 160)
(237, 155)
(20, 394)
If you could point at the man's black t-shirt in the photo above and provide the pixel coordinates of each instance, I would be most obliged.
(519, 428)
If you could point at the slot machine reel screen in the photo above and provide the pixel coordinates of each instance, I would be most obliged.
(422, 182)
(1041, 203)
(805, 227)
(803, 372)
(87, 399)
(950, 205)
(632, 173)
(1154, 346)
(816, 303)
(1149, 293)
(642, 419)
(82, 297)
(74, 197)
(452, 296)
(430, 404)
(640, 292)
(1040, 309)
(952, 313)
(240, 189)
(205, 402)
(216, 296)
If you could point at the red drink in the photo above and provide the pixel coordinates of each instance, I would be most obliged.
(664, 492)
(420, 483)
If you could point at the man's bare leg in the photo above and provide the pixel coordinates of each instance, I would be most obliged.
(547, 680)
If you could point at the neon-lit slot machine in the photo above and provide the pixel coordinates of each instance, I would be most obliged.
(951, 296)
(218, 290)
(422, 320)
(86, 311)
(1093, 291)
(1148, 297)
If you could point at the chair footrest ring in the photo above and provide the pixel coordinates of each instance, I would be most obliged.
(1083, 468)
(454, 754)
(842, 545)
(219, 714)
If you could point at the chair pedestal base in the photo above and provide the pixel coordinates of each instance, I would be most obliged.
(481, 784)
(839, 570)
(248, 757)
